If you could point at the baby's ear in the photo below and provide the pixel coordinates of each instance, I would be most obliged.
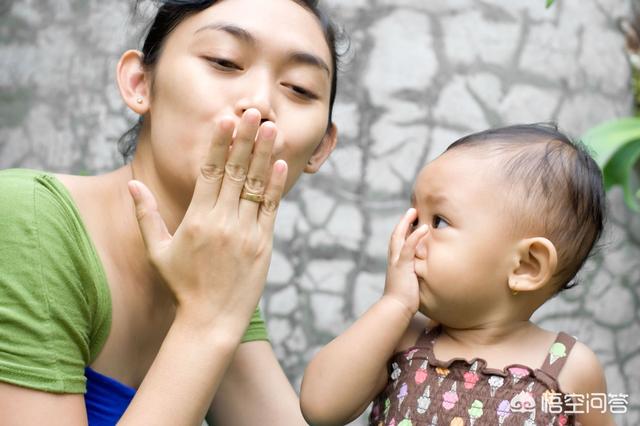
(537, 261)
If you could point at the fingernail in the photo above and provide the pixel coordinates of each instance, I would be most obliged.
(280, 166)
(134, 189)
(252, 114)
(226, 123)
(268, 130)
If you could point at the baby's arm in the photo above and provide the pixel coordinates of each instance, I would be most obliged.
(583, 375)
(349, 372)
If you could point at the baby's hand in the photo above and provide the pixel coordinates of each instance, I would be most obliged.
(402, 283)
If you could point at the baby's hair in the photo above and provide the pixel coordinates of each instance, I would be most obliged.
(556, 176)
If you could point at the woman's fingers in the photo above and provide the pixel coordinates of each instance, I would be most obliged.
(254, 186)
(237, 166)
(209, 181)
(152, 227)
(272, 196)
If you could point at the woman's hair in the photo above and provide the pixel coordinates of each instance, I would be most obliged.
(556, 188)
(172, 12)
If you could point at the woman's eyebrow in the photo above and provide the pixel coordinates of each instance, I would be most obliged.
(231, 29)
(306, 58)
(297, 57)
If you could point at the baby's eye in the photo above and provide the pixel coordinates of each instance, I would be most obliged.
(415, 223)
(439, 222)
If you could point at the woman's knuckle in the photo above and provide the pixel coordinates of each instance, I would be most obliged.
(255, 184)
(236, 172)
(212, 172)
(269, 205)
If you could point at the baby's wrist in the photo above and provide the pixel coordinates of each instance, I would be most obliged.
(396, 308)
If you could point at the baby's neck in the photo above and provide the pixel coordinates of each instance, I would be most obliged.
(498, 344)
(489, 334)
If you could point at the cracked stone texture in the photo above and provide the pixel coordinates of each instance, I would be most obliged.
(418, 75)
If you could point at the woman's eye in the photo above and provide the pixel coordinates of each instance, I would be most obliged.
(302, 92)
(224, 64)
(439, 222)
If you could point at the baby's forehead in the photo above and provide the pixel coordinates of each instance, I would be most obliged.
(459, 171)
(467, 162)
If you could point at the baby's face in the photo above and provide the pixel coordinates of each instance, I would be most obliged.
(468, 252)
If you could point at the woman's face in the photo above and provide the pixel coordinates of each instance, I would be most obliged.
(235, 55)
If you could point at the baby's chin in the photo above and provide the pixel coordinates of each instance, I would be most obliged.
(424, 310)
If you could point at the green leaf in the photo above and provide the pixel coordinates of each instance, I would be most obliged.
(549, 3)
(620, 170)
(607, 138)
(615, 146)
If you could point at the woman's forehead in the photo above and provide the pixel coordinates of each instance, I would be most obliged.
(282, 23)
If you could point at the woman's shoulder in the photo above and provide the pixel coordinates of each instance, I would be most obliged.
(22, 187)
(16, 182)
(60, 309)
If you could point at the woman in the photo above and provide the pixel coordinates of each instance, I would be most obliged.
(144, 279)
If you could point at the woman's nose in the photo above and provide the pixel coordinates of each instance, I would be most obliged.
(257, 92)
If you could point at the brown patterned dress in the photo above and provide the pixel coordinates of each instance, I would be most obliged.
(425, 391)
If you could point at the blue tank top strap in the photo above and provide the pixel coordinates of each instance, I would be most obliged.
(106, 399)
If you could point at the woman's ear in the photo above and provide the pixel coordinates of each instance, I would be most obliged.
(133, 82)
(536, 264)
(328, 144)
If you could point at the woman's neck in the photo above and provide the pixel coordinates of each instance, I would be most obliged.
(171, 209)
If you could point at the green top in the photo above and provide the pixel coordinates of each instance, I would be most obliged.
(55, 305)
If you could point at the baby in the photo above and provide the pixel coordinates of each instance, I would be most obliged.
(501, 222)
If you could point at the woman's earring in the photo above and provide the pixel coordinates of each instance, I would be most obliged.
(139, 100)
(514, 292)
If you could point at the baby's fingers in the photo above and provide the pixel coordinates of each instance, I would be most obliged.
(409, 248)
(152, 227)
(400, 232)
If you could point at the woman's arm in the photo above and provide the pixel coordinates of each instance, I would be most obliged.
(255, 391)
(176, 391)
(345, 376)
(215, 265)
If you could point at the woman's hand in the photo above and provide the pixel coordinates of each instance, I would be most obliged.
(216, 262)
(401, 283)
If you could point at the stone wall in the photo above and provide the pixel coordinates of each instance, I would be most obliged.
(418, 75)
